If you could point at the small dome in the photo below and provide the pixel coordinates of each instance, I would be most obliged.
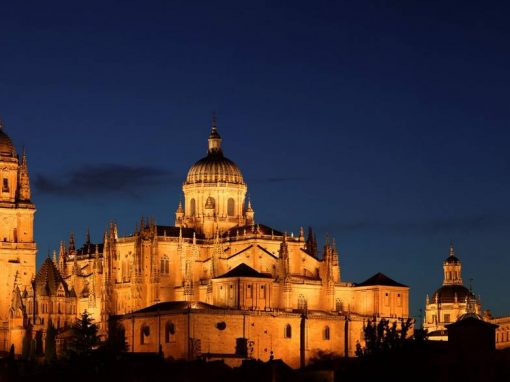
(452, 260)
(6, 147)
(446, 294)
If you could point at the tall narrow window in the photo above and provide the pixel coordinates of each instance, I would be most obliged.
(326, 333)
(230, 207)
(192, 207)
(165, 265)
(5, 185)
(288, 331)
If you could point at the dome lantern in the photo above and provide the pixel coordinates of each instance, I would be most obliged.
(214, 146)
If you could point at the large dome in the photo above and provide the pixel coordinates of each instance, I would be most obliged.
(446, 294)
(215, 167)
(6, 147)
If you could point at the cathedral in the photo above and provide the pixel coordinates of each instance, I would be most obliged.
(215, 284)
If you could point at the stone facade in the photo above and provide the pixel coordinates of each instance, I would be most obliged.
(17, 247)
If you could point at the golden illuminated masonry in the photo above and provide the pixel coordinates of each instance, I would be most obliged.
(215, 284)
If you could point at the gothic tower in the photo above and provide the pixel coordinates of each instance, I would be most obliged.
(17, 246)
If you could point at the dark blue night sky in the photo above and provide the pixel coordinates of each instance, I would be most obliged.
(385, 124)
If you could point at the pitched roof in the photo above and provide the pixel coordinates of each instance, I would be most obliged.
(262, 229)
(380, 279)
(48, 279)
(175, 305)
(243, 270)
(173, 231)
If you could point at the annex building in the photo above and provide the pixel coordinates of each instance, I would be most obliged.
(217, 283)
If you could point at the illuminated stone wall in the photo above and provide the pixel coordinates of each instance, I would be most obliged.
(212, 333)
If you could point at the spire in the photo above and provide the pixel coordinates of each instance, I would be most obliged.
(76, 269)
(72, 246)
(311, 243)
(55, 258)
(249, 213)
(214, 138)
(62, 258)
(24, 193)
(284, 258)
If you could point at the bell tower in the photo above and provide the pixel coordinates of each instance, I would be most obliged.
(17, 247)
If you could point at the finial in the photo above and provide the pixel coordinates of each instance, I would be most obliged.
(213, 122)
(214, 146)
(452, 249)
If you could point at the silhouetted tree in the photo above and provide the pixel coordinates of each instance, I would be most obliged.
(84, 337)
(384, 335)
(26, 345)
(50, 344)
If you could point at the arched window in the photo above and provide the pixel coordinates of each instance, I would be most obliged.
(169, 331)
(230, 207)
(288, 331)
(326, 333)
(165, 265)
(192, 207)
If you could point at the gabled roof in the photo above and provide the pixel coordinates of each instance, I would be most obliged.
(243, 270)
(380, 279)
